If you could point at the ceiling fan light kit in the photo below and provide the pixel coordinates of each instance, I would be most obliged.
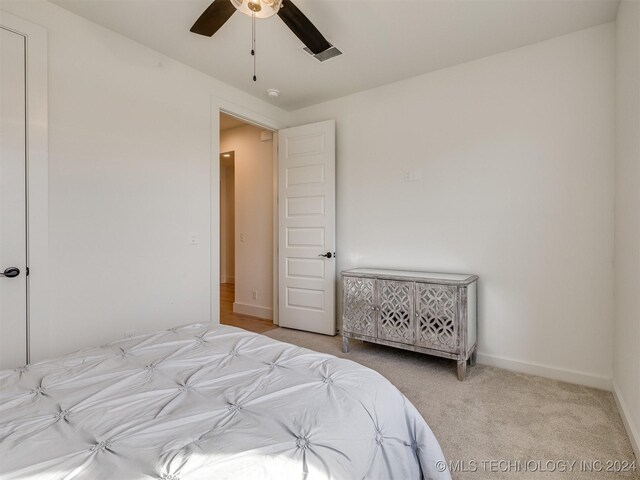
(258, 8)
(220, 11)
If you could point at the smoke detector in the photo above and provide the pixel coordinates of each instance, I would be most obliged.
(273, 93)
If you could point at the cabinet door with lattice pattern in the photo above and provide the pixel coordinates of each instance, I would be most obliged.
(359, 314)
(436, 323)
(395, 320)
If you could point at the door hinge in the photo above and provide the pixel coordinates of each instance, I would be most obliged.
(27, 271)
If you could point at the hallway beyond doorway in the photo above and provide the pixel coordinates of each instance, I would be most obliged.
(228, 317)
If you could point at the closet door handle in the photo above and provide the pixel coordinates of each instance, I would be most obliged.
(10, 272)
(326, 255)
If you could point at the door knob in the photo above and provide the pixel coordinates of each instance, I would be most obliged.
(326, 255)
(10, 272)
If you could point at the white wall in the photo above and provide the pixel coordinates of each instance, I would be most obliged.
(516, 156)
(253, 169)
(130, 144)
(626, 376)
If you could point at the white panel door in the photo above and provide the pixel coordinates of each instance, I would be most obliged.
(306, 218)
(13, 240)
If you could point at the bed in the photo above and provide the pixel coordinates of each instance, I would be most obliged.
(206, 401)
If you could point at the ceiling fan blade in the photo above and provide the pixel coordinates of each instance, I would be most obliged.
(302, 27)
(213, 17)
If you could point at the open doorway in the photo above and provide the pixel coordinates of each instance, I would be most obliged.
(246, 225)
(227, 219)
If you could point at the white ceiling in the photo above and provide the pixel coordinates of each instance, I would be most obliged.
(383, 40)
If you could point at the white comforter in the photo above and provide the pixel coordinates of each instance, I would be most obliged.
(209, 402)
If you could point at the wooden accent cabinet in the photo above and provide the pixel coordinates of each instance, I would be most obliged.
(433, 313)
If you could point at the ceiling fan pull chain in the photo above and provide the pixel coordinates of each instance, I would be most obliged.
(253, 44)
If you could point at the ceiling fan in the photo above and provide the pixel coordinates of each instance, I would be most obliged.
(220, 11)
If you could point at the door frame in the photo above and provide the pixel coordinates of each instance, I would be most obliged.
(37, 183)
(218, 106)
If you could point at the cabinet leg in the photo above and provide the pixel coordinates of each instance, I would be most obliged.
(345, 344)
(462, 369)
(472, 359)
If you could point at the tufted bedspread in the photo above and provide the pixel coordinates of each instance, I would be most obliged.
(208, 402)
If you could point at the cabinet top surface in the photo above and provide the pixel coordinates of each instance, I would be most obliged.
(456, 278)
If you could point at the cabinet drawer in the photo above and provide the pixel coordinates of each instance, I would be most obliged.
(359, 315)
(395, 312)
(436, 319)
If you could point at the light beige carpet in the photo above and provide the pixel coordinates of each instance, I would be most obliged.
(496, 416)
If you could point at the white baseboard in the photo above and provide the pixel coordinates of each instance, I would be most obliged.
(570, 376)
(632, 430)
(253, 310)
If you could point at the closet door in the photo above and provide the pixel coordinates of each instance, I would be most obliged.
(395, 321)
(13, 205)
(436, 322)
(359, 306)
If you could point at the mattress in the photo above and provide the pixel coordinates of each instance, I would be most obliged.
(209, 402)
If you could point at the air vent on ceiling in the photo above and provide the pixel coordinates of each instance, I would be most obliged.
(326, 55)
